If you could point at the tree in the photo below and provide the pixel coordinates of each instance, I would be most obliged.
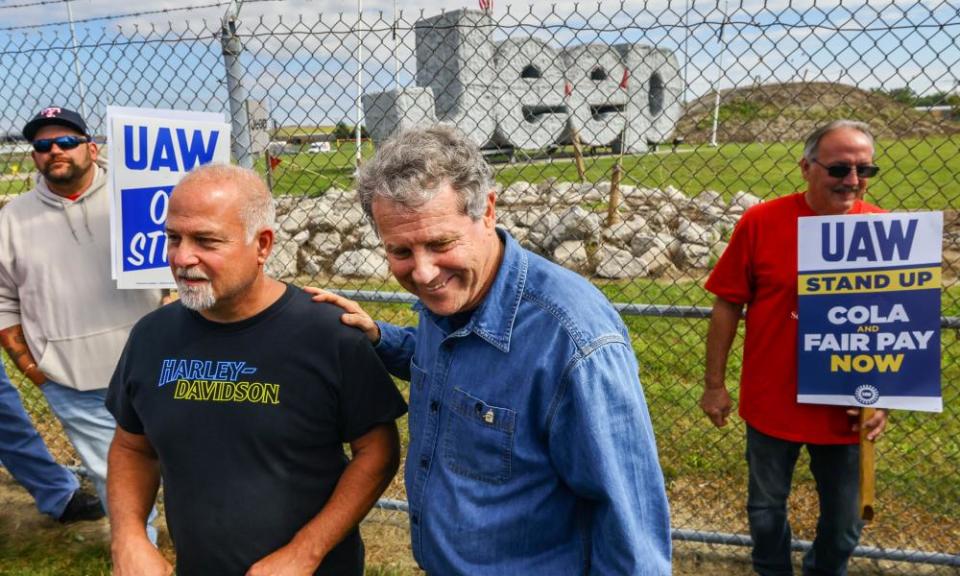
(343, 131)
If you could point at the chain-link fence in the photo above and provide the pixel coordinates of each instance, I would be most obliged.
(626, 140)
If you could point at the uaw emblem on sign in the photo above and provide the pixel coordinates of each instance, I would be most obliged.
(866, 394)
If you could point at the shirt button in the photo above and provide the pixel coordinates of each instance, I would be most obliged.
(434, 406)
(424, 462)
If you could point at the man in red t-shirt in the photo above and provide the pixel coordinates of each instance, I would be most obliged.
(759, 269)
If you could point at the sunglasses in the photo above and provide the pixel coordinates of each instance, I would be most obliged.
(842, 170)
(63, 142)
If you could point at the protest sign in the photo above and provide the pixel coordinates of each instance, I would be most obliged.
(150, 151)
(869, 310)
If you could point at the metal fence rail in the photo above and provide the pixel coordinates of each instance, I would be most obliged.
(695, 109)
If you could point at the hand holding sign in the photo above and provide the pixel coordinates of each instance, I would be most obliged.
(869, 330)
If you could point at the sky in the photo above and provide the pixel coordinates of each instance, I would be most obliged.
(301, 56)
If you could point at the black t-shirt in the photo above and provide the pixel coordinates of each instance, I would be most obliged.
(249, 420)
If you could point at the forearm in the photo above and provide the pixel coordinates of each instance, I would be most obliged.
(723, 329)
(132, 483)
(363, 481)
(15, 343)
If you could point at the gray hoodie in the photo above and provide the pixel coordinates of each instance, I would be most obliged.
(55, 282)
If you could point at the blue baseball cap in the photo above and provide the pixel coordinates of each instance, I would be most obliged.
(54, 115)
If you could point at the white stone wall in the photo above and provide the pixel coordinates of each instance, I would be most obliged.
(625, 92)
(660, 230)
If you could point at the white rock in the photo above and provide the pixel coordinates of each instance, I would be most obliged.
(365, 236)
(542, 232)
(284, 204)
(342, 220)
(363, 263)
(565, 193)
(643, 243)
(708, 198)
(573, 255)
(664, 217)
(616, 263)
(656, 262)
(675, 197)
(518, 193)
(744, 200)
(527, 218)
(325, 245)
(340, 197)
(694, 233)
(313, 266)
(687, 255)
(623, 232)
(579, 223)
(591, 193)
(283, 260)
(295, 220)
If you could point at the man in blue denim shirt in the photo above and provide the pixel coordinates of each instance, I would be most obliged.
(531, 449)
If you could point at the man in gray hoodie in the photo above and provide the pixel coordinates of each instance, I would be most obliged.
(62, 320)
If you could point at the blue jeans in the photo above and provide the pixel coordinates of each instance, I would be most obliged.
(836, 470)
(90, 428)
(24, 454)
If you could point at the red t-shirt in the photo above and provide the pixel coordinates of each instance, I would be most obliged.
(759, 269)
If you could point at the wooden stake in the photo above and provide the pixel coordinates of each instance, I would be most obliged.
(578, 156)
(613, 209)
(867, 468)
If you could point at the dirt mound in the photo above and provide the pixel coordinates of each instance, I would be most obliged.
(788, 112)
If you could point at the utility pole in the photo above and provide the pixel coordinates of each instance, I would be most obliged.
(359, 78)
(396, 45)
(232, 48)
(716, 86)
(688, 5)
(76, 61)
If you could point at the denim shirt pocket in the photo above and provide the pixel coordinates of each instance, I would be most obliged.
(479, 438)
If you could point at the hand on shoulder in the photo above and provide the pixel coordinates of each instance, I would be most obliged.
(354, 316)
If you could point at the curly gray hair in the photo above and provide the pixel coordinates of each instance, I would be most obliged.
(411, 167)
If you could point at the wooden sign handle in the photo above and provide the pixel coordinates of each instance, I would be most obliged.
(867, 468)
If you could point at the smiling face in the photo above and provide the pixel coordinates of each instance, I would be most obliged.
(440, 254)
(66, 171)
(216, 269)
(828, 195)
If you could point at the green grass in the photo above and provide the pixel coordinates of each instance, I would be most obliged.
(307, 174)
(915, 173)
(50, 554)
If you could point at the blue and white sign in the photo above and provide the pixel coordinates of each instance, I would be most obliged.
(869, 310)
(150, 151)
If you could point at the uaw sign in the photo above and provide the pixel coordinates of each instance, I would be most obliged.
(150, 151)
(869, 310)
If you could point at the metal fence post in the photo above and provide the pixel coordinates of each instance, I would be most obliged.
(232, 48)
